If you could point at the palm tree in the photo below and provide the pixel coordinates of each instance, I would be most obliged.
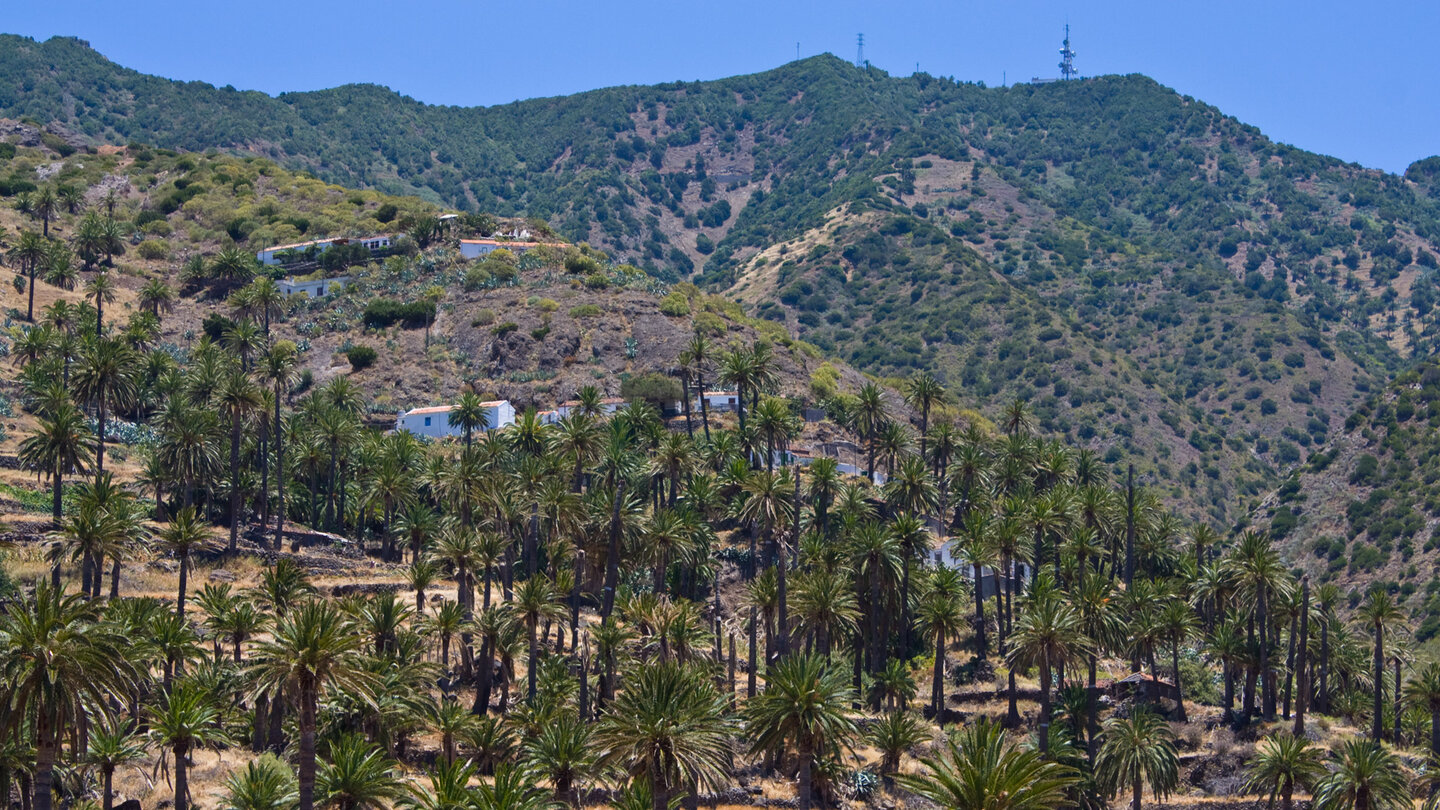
(563, 753)
(1364, 775)
(108, 376)
(232, 265)
(182, 537)
(533, 601)
(156, 297)
(698, 353)
(668, 728)
(43, 207)
(1379, 612)
(112, 745)
(312, 650)
(978, 768)
(1423, 689)
(923, 391)
(893, 735)
(265, 783)
(60, 270)
(60, 444)
(737, 368)
(1136, 751)
(58, 663)
(29, 252)
(469, 415)
(358, 776)
(805, 707)
(102, 290)
(939, 617)
(1177, 626)
(1048, 634)
(1281, 763)
(186, 719)
(278, 369)
(237, 400)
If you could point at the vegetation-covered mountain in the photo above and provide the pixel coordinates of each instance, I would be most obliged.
(1159, 279)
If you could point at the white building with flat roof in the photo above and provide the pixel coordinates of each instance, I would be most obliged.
(317, 288)
(434, 422)
(284, 254)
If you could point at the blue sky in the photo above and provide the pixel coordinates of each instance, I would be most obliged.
(1354, 80)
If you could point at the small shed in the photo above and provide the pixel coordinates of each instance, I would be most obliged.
(1141, 686)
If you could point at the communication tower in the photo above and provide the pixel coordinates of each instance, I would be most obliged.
(860, 51)
(1067, 58)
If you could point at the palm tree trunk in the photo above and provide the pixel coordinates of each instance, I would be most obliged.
(1377, 726)
(184, 577)
(937, 687)
(1044, 734)
(1092, 725)
(1134, 794)
(46, 750)
(182, 778)
(1302, 660)
(612, 555)
(100, 435)
(306, 771)
(750, 675)
(981, 647)
(279, 474)
(57, 493)
(234, 482)
(1179, 691)
(107, 799)
(532, 665)
(805, 758)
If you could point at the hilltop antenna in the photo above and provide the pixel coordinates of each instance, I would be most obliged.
(860, 51)
(1067, 58)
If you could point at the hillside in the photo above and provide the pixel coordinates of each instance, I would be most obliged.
(528, 330)
(1367, 508)
(1160, 279)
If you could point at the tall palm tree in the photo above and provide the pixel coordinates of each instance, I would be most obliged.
(60, 444)
(698, 351)
(1423, 689)
(1048, 634)
(978, 767)
(184, 535)
(186, 719)
(60, 270)
(1364, 775)
(1177, 626)
(1379, 613)
(108, 376)
(58, 663)
(923, 391)
(100, 289)
(357, 776)
(1136, 751)
(277, 369)
(312, 650)
(669, 729)
(870, 418)
(1281, 763)
(237, 400)
(30, 252)
(940, 617)
(805, 706)
(43, 206)
(534, 601)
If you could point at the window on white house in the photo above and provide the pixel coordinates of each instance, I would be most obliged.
(427, 421)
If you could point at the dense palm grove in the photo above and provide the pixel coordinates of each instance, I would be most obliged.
(614, 609)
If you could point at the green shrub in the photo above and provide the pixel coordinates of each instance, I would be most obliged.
(546, 305)
(505, 328)
(584, 311)
(386, 212)
(675, 305)
(657, 389)
(153, 249)
(383, 312)
(484, 317)
(361, 357)
(595, 281)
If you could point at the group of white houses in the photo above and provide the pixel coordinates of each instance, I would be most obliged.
(434, 422)
(475, 248)
(303, 251)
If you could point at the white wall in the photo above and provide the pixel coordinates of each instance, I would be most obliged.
(497, 416)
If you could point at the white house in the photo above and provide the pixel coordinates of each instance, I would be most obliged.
(989, 579)
(717, 401)
(475, 248)
(548, 417)
(434, 422)
(608, 406)
(317, 288)
(283, 254)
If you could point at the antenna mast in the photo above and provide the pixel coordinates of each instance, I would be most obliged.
(860, 51)
(1067, 58)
